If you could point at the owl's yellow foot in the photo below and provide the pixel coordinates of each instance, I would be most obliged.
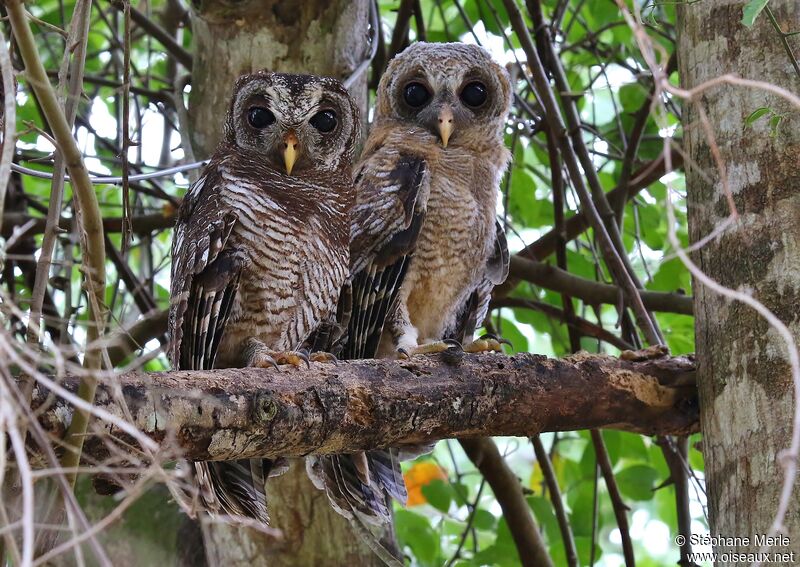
(321, 356)
(487, 343)
(650, 353)
(429, 348)
(294, 357)
(258, 355)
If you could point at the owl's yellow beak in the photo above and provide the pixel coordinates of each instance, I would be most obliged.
(445, 124)
(290, 142)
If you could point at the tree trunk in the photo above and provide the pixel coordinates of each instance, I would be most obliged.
(233, 37)
(744, 375)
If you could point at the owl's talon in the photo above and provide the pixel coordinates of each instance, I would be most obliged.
(262, 360)
(321, 356)
(487, 343)
(501, 340)
(403, 353)
(295, 358)
(431, 348)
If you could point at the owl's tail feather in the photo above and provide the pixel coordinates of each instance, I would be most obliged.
(342, 479)
(236, 488)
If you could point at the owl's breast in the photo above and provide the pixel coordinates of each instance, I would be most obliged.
(454, 245)
(292, 279)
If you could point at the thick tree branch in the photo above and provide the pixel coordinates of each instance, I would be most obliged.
(242, 413)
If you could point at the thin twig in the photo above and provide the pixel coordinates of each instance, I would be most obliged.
(9, 119)
(89, 218)
(570, 551)
(620, 509)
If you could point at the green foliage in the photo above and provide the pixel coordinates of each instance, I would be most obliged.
(751, 11)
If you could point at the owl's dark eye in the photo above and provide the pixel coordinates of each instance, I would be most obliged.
(474, 94)
(415, 94)
(324, 121)
(259, 117)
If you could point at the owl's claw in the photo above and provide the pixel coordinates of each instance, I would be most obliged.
(263, 360)
(487, 343)
(262, 357)
(321, 356)
(294, 357)
(431, 348)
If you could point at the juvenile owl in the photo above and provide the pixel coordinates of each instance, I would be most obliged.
(426, 193)
(260, 251)
(426, 249)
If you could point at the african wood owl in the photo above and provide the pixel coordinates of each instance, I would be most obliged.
(426, 249)
(260, 251)
(424, 223)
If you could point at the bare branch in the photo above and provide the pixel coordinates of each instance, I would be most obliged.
(365, 404)
(592, 292)
(506, 487)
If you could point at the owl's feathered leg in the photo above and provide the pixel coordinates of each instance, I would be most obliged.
(487, 343)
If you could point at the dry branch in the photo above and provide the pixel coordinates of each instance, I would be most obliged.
(243, 413)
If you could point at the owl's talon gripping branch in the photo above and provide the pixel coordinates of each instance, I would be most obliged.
(258, 355)
(487, 343)
(321, 356)
(430, 348)
(294, 357)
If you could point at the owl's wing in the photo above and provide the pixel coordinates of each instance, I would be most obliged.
(205, 279)
(392, 195)
(472, 313)
(392, 198)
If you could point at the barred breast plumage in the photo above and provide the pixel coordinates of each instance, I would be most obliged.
(260, 252)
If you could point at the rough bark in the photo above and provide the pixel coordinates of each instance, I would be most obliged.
(744, 376)
(232, 37)
(366, 404)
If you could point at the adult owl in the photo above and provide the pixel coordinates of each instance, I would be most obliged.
(260, 251)
(426, 249)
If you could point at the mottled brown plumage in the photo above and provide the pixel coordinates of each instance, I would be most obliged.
(436, 163)
(259, 256)
(426, 249)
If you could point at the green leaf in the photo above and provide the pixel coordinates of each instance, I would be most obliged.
(439, 494)
(484, 520)
(416, 532)
(460, 493)
(756, 114)
(751, 11)
(637, 482)
(774, 122)
(632, 96)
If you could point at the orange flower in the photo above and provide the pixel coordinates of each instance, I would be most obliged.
(419, 475)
